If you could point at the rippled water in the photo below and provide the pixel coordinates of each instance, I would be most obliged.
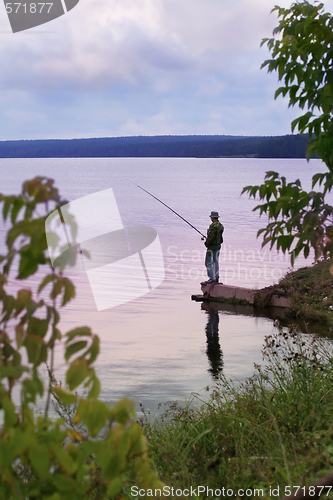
(162, 345)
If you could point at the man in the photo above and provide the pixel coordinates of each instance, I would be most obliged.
(213, 243)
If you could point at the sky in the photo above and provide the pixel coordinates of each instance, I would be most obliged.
(142, 67)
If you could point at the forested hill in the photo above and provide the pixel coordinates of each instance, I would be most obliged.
(287, 146)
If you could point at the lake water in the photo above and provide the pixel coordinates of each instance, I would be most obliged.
(163, 346)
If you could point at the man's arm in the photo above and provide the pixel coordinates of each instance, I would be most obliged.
(211, 235)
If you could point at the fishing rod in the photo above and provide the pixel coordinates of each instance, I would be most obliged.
(187, 222)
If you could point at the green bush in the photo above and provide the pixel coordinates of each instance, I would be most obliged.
(40, 457)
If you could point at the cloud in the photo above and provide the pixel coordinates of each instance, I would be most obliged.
(119, 67)
(219, 26)
(104, 43)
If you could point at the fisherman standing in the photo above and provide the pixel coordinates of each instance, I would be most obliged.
(213, 243)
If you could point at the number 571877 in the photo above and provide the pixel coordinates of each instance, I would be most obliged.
(32, 8)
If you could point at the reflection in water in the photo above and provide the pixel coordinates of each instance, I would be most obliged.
(214, 351)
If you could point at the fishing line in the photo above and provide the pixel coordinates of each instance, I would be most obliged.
(167, 206)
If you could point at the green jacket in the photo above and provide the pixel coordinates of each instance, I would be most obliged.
(214, 234)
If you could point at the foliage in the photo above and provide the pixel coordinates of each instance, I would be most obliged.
(310, 290)
(300, 220)
(270, 431)
(302, 52)
(41, 458)
(303, 60)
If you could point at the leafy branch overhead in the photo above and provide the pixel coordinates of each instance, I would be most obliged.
(299, 219)
(303, 60)
(302, 55)
(102, 450)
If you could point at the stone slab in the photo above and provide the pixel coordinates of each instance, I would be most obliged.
(219, 291)
(245, 294)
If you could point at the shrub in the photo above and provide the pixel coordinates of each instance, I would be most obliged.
(40, 457)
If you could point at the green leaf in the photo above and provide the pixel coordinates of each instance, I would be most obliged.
(114, 487)
(303, 120)
(39, 458)
(294, 124)
(8, 305)
(31, 388)
(65, 460)
(95, 388)
(93, 414)
(77, 373)
(93, 350)
(66, 397)
(82, 331)
(17, 205)
(23, 300)
(46, 280)
(69, 291)
(21, 441)
(11, 417)
(36, 349)
(8, 200)
(64, 485)
(20, 334)
(123, 411)
(74, 348)
(28, 264)
(38, 326)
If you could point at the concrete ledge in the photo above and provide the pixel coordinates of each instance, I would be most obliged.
(227, 292)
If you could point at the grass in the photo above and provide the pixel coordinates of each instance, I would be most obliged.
(274, 430)
(311, 292)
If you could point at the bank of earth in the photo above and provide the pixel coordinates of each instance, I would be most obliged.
(306, 294)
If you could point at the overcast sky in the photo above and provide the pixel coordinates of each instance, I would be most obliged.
(142, 67)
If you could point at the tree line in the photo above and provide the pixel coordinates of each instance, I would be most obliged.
(287, 146)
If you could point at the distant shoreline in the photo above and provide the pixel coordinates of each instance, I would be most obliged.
(194, 146)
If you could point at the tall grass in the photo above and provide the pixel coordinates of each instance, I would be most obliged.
(275, 429)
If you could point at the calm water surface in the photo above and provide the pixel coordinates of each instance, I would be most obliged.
(163, 346)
